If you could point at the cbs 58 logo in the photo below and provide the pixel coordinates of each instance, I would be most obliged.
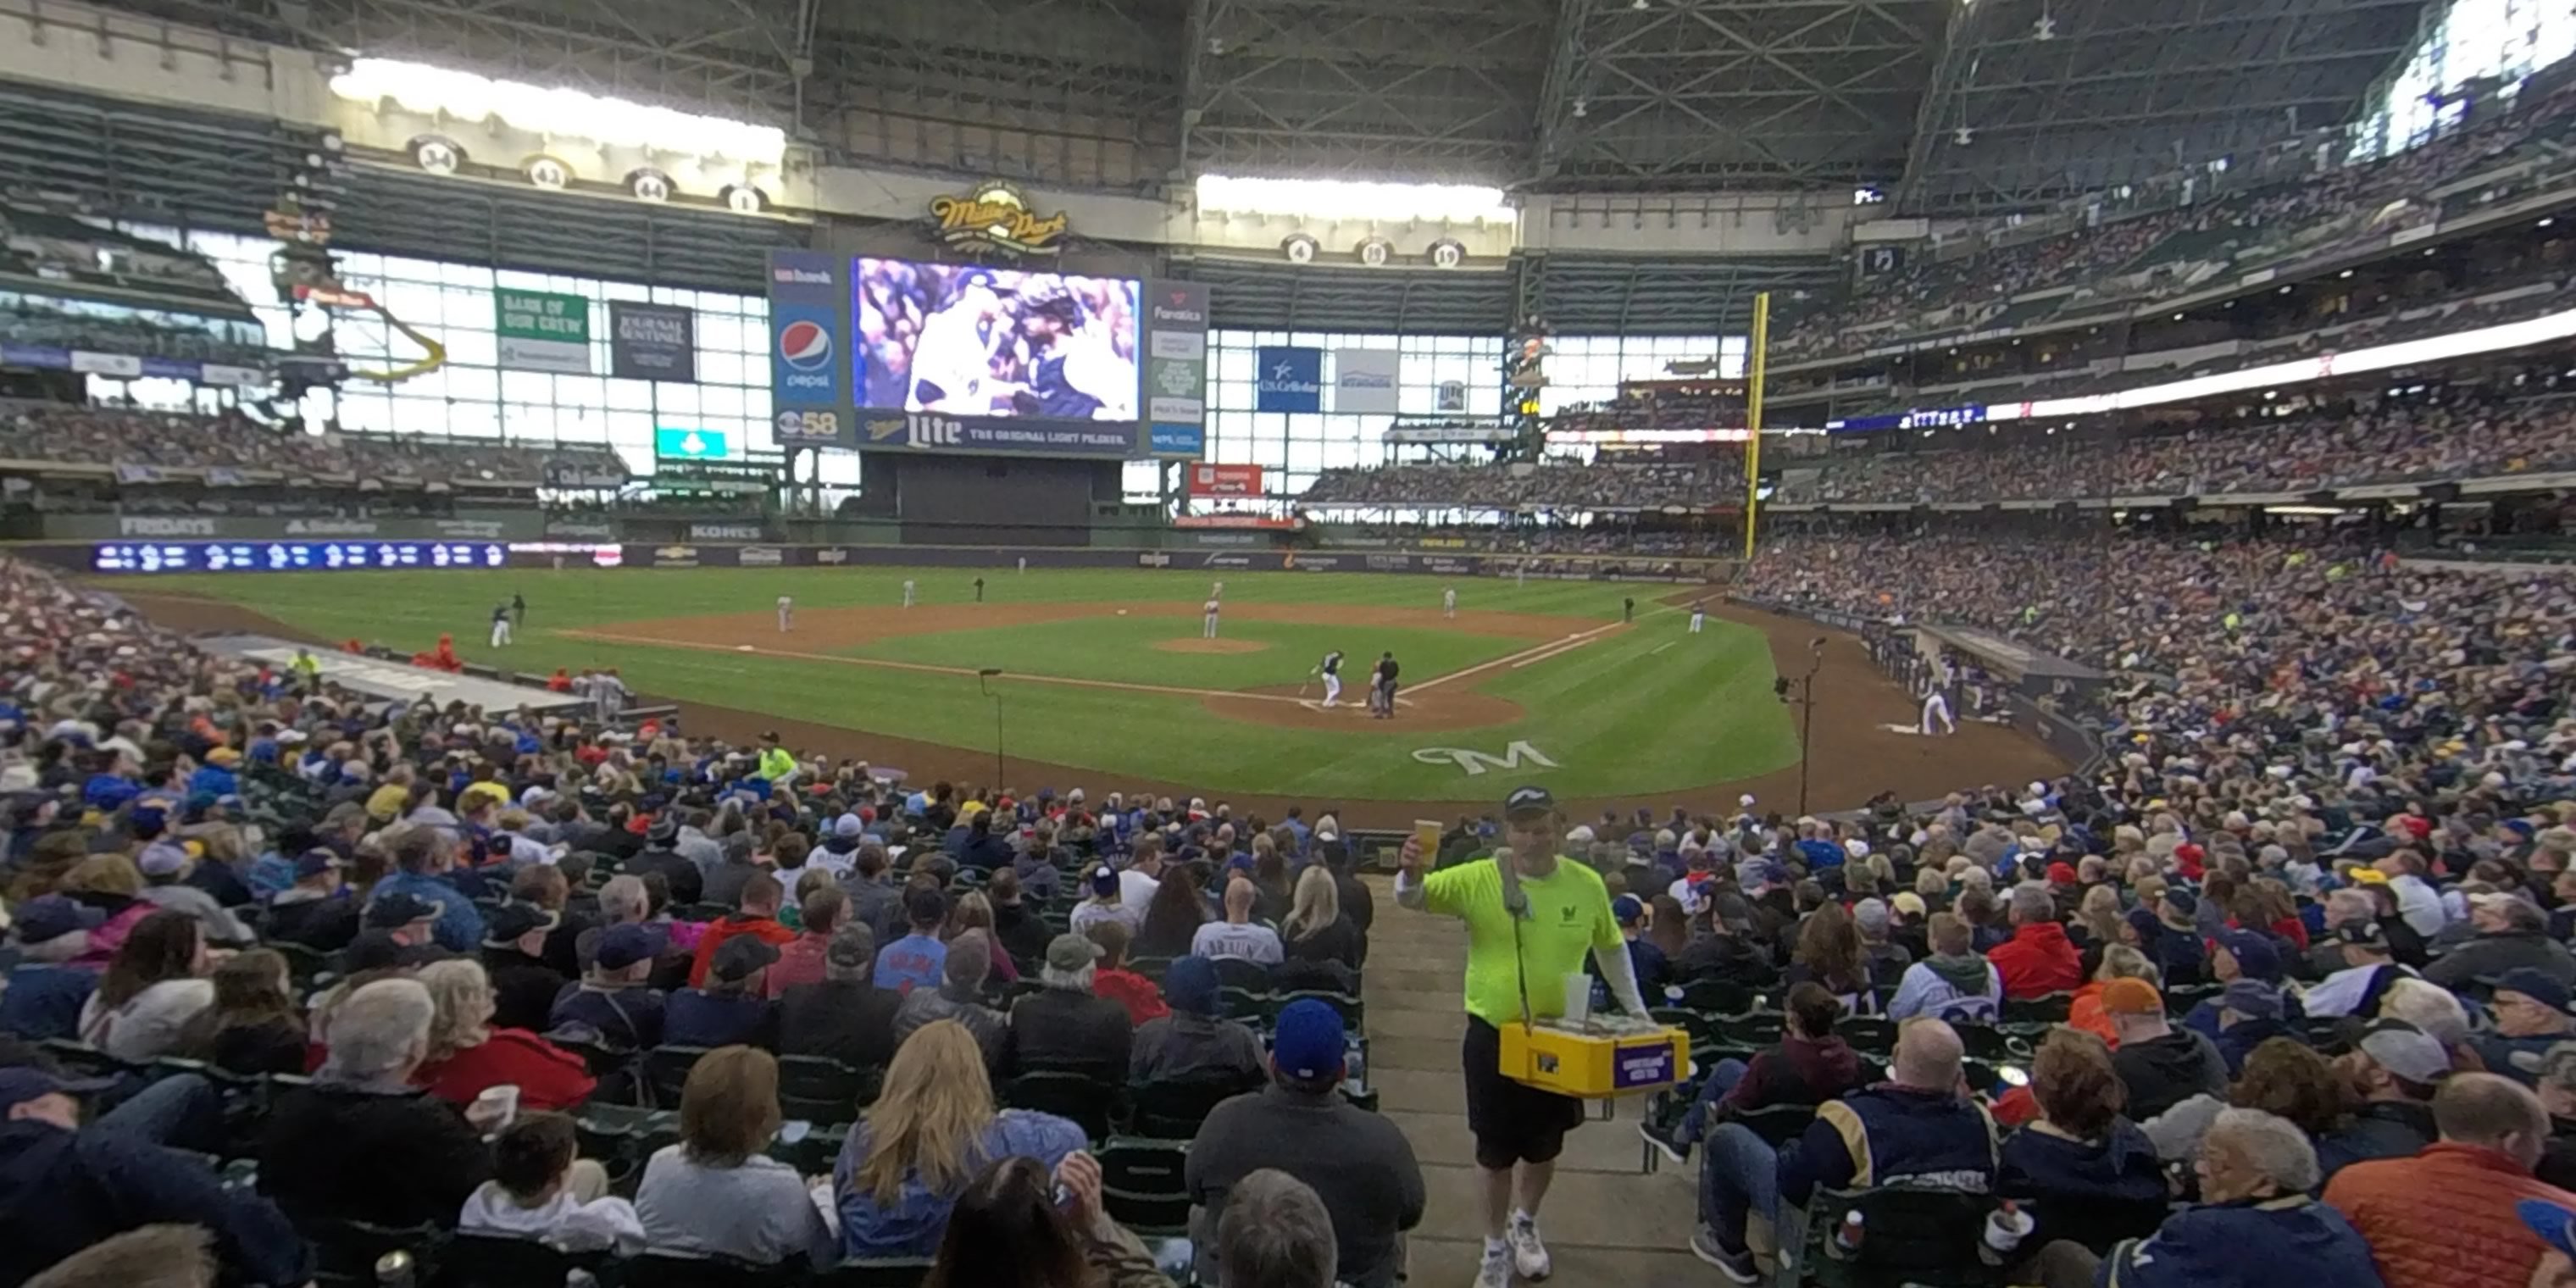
(809, 424)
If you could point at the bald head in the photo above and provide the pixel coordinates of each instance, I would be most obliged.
(1239, 896)
(1927, 1056)
(2495, 1112)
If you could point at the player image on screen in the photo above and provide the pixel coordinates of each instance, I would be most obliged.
(967, 341)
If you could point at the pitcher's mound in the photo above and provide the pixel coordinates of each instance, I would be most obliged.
(1210, 646)
(1435, 710)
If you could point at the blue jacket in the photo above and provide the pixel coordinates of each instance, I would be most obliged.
(914, 1223)
(459, 928)
(2070, 1187)
(2294, 1240)
(64, 1191)
(1887, 1135)
(41, 1003)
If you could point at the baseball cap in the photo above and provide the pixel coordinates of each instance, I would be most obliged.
(54, 916)
(623, 946)
(2405, 1051)
(1527, 801)
(848, 825)
(2538, 985)
(398, 909)
(1307, 1045)
(1104, 881)
(511, 920)
(1628, 909)
(2131, 997)
(2369, 876)
(22, 1083)
(1909, 903)
(2183, 901)
(1190, 984)
(2365, 933)
(1071, 952)
(736, 958)
(2254, 952)
(315, 862)
(2252, 998)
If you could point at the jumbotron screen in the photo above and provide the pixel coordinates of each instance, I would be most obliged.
(962, 340)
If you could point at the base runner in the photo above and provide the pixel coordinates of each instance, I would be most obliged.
(1531, 915)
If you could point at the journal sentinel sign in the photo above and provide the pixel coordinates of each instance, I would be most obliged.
(1287, 379)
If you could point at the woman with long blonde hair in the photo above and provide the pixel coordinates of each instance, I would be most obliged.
(1315, 929)
(932, 1128)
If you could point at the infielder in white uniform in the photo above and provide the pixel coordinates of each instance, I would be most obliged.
(500, 625)
(1699, 616)
(1207, 621)
(1331, 670)
(907, 592)
(786, 613)
(1448, 601)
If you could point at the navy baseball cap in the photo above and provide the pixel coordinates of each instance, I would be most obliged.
(2538, 985)
(623, 946)
(1627, 909)
(399, 909)
(1307, 1044)
(53, 916)
(1190, 984)
(2254, 953)
(1526, 801)
(315, 862)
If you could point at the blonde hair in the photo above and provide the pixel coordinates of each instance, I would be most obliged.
(1318, 906)
(463, 995)
(936, 1103)
(2100, 913)
(103, 874)
(2124, 961)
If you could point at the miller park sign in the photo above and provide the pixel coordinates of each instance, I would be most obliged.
(994, 217)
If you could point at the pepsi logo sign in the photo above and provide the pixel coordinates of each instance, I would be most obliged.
(805, 346)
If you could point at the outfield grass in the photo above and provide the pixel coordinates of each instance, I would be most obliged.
(1647, 710)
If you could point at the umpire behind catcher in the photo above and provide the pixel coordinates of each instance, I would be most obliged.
(1531, 916)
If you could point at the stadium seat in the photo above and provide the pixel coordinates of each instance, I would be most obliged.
(1256, 1007)
(1911, 1238)
(1868, 1033)
(669, 1270)
(1173, 1109)
(1777, 1125)
(478, 1260)
(1090, 1103)
(1354, 1012)
(666, 1071)
(1234, 972)
(1142, 1186)
(2047, 1008)
(821, 1090)
(1720, 997)
(346, 1253)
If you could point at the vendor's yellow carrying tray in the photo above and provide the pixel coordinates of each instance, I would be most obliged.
(1593, 1066)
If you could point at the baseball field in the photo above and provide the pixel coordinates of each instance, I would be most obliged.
(1105, 680)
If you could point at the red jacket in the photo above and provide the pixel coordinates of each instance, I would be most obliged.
(547, 1076)
(2444, 1218)
(2038, 960)
(767, 930)
(1133, 991)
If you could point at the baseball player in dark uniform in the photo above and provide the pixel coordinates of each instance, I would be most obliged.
(1382, 687)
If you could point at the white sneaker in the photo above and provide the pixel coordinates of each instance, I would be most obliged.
(1495, 1271)
(1529, 1255)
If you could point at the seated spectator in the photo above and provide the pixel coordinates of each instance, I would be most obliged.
(1830, 952)
(1238, 936)
(2446, 1215)
(717, 1192)
(423, 858)
(1275, 1232)
(1020, 932)
(1811, 1065)
(741, 860)
(399, 930)
(468, 1056)
(324, 1150)
(2080, 1159)
(252, 1027)
(1914, 1128)
(2039, 959)
(1064, 1026)
(843, 1016)
(730, 1009)
(2085, 1010)
(975, 912)
(2249, 1014)
(1953, 983)
(540, 1191)
(757, 918)
(318, 911)
(2532, 1014)
(800, 960)
(612, 1006)
(166, 865)
(1104, 903)
(155, 984)
(931, 1130)
(1009, 1229)
(1190, 1039)
(1359, 1162)
(2255, 1227)
(69, 1187)
(2160, 1065)
(2370, 966)
(1111, 978)
(1316, 930)
(915, 960)
(524, 983)
(627, 901)
(46, 989)
(960, 997)
(1172, 920)
(2508, 933)
(2396, 1068)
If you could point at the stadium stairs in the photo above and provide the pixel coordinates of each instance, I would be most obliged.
(1605, 1221)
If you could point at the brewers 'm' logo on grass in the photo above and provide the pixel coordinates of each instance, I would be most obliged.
(1472, 762)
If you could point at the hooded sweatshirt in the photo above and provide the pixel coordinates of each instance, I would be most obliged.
(2166, 1071)
(1962, 988)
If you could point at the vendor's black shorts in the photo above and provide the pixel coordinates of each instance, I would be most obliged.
(1513, 1121)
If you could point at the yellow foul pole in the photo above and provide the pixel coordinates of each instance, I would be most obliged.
(1753, 415)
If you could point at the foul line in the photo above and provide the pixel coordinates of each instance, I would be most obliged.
(1550, 648)
(1659, 648)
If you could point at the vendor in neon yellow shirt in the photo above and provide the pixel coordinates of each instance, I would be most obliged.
(1520, 1129)
(776, 764)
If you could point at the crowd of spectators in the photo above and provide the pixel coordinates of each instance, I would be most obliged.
(138, 441)
(2342, 205)
(475, 942)
(1545, 485)
(1659, 405)
(2396, 440)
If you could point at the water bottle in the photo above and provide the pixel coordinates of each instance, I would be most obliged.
(2006, 1227)
(395, 1270)
(1846, 1244)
